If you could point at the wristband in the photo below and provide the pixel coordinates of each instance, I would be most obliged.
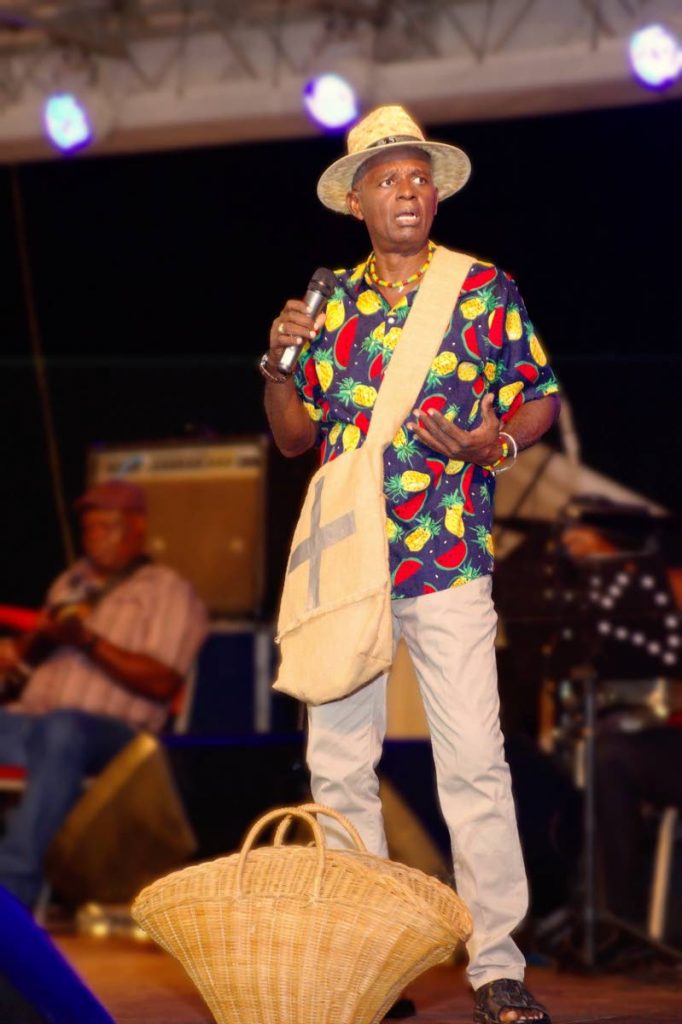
(505, 461)
(509, 459)
(266, 371)
(505, 454)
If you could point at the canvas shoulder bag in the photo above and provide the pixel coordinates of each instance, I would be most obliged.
(334, 626)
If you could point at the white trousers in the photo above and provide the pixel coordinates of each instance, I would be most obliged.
(450, 636)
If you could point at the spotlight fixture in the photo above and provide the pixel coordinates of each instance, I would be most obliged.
(330, 101)
(655, 56)
(67, 123)
(73, 120)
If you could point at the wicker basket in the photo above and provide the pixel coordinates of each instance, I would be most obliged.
(290, 934)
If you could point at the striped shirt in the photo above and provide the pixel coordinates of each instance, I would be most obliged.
(153, 612)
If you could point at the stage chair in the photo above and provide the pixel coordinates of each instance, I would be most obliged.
(128, 828)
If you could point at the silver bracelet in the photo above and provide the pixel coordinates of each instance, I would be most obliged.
(265, 371)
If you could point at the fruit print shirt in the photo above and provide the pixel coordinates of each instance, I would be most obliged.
(438, 511)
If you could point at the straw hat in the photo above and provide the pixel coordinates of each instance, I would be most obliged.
(383, 129)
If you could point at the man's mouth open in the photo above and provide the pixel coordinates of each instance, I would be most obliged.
(407, 217)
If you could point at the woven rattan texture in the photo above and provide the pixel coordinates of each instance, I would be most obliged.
(302, 934)
(451, 167)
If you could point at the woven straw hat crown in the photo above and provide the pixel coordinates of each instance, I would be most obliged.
(383, 129)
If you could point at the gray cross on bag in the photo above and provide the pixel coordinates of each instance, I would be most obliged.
(320, 538)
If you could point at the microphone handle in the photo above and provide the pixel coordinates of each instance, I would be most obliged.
(314, 301)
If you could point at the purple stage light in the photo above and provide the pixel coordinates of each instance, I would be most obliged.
(331, 101)
(67, 122)
(655, 56)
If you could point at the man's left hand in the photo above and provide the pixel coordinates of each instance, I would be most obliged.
(481, 446)
(66, 631)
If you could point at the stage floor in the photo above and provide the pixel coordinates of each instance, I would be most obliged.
(141, 985)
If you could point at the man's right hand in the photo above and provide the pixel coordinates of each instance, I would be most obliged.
(293, 326)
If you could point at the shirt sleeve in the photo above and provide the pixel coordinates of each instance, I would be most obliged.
(307, 382)
(523, 371)
(310, 391)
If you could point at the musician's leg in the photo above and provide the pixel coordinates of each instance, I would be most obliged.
(450, 636)
(13, 732)
(62, 748)
(344, 746)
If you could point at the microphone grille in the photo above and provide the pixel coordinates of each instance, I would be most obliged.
(323, 281)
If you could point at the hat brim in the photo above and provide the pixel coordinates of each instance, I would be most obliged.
(451, 169)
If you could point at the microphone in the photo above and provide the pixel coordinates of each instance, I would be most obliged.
(320, 287)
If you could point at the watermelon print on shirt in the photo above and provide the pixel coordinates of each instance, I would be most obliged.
(438, 511)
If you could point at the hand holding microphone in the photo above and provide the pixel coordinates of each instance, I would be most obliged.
(299, 321)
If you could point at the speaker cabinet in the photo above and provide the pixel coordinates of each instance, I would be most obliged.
(206, 512)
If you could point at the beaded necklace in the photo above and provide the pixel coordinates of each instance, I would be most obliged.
(399, 285)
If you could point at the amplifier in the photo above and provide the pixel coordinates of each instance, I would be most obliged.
(206, 512)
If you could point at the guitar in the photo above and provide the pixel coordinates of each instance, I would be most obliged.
(43, 632)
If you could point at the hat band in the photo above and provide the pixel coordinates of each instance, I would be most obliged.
(390, 139)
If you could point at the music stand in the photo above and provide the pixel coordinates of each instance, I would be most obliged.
(619, 622)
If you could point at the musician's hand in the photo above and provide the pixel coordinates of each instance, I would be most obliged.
(481, 446)
(293, 326)
(66, 631)
(9, 654)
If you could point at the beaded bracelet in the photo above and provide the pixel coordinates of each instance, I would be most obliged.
(497, 466)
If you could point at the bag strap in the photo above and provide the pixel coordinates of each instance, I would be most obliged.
(419, 342)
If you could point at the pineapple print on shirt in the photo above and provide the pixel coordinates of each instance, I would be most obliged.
(438, 510)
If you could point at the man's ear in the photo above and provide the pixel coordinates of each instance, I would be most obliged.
(138, 524)
(353, 205)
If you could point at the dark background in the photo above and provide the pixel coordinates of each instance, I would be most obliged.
(156, 278)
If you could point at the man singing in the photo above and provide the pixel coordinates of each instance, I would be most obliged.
(488, 394)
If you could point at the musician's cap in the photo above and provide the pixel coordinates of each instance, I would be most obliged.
(113, 494)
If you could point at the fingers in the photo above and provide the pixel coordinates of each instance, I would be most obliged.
(446, 437)
(294, 325)
(431, 432)
(429, 439)
(438, 426)
(488, 414)
(433, 425)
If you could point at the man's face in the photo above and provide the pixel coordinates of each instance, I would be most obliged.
(111, 538)
(397, 199)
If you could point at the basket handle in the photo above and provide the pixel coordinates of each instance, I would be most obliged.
(285, 824)
(288, 813)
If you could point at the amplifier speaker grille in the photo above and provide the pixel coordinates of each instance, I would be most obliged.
(206, 513)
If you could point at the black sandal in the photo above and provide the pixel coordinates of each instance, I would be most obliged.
(493, 999)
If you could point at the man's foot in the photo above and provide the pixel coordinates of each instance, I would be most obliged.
(505, 1001)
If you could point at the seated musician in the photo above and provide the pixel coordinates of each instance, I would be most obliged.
(112, 648)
